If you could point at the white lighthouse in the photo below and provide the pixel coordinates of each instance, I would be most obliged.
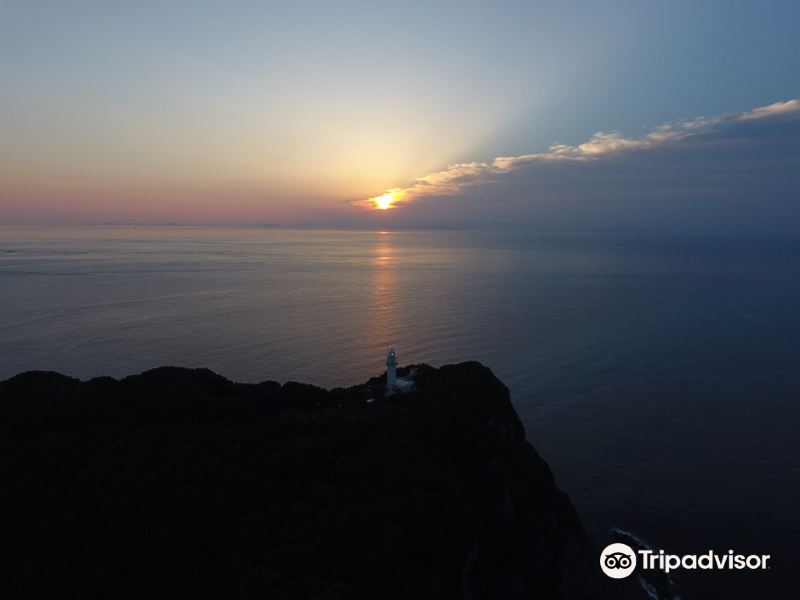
(395, 384)
(391, 369)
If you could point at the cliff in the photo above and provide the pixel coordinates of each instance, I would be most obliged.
(180, 483)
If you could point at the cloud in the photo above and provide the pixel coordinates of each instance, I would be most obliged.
(602, 146)
(777, 108)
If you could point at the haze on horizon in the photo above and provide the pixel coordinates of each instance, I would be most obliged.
(677, 116)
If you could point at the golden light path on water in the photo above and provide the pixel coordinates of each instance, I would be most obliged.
(385, 320)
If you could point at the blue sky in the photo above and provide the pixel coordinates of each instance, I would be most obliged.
(289, 111)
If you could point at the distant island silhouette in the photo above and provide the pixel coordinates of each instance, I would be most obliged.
(180, 483)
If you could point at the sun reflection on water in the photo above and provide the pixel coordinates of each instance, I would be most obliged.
(383, 309)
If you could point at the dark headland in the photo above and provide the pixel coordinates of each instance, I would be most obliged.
(180, 483)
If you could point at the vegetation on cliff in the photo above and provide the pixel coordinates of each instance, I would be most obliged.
(180, 483)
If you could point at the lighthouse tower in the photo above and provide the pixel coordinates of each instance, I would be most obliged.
(391, 369)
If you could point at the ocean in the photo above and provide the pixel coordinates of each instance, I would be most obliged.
(657, 376)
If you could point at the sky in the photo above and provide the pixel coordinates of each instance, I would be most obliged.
(313, 112)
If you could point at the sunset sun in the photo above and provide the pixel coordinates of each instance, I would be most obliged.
(384, 201)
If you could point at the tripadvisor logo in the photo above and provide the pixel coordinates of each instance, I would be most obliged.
(619, 560)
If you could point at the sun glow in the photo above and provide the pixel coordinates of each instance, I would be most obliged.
(386, 200)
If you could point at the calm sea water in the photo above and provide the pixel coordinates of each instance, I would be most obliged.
(659, 378)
